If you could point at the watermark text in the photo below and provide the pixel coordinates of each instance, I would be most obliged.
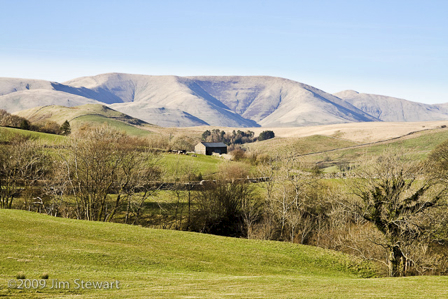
(74, 284)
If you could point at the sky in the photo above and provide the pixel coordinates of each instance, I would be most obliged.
(395, 48)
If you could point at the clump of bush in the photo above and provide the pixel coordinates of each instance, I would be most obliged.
(230, 171)
(48, 126)
(238, 154)
(253, 158)
(13, 121)
(265, 135)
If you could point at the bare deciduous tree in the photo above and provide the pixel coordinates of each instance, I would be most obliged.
(100, 162)
(22, 163)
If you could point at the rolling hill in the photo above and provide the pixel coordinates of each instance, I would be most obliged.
(143, 259)
(95, 114)
(151, 263)
(26, 99)
(22, 94)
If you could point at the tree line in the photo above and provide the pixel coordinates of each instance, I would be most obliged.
(235, 137)
(14, 121)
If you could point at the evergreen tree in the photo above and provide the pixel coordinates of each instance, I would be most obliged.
(205, 135)
(25, 124)
(65, 128)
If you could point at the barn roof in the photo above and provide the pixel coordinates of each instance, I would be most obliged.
(214, 144)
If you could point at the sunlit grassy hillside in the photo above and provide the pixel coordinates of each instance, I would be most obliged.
(416, 146)
(295, 145)
(152, 263)
(6, 134)
(89, 114)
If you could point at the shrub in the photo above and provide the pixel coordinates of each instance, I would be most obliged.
(238, 154)
(231, 170)
(49, 127)
(24, 124)
(263, 158)
(265, 135)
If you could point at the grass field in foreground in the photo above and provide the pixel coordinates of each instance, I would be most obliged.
(171, 264)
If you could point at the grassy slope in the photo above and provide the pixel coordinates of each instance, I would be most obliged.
(6, 133)
(170, 264)
(304, 145)
(418, 146)
(61, 113)
(89, 113)
(99, 120)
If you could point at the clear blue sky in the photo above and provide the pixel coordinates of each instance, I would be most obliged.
(396, 48)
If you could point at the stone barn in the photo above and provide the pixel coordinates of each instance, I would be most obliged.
(208, 148)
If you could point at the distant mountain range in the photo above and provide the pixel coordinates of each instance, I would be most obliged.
(394, 109)
(240, 101)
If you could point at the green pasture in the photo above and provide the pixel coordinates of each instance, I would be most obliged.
(150, 263)
(7, 133)
(416, 147)
(181, 165)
